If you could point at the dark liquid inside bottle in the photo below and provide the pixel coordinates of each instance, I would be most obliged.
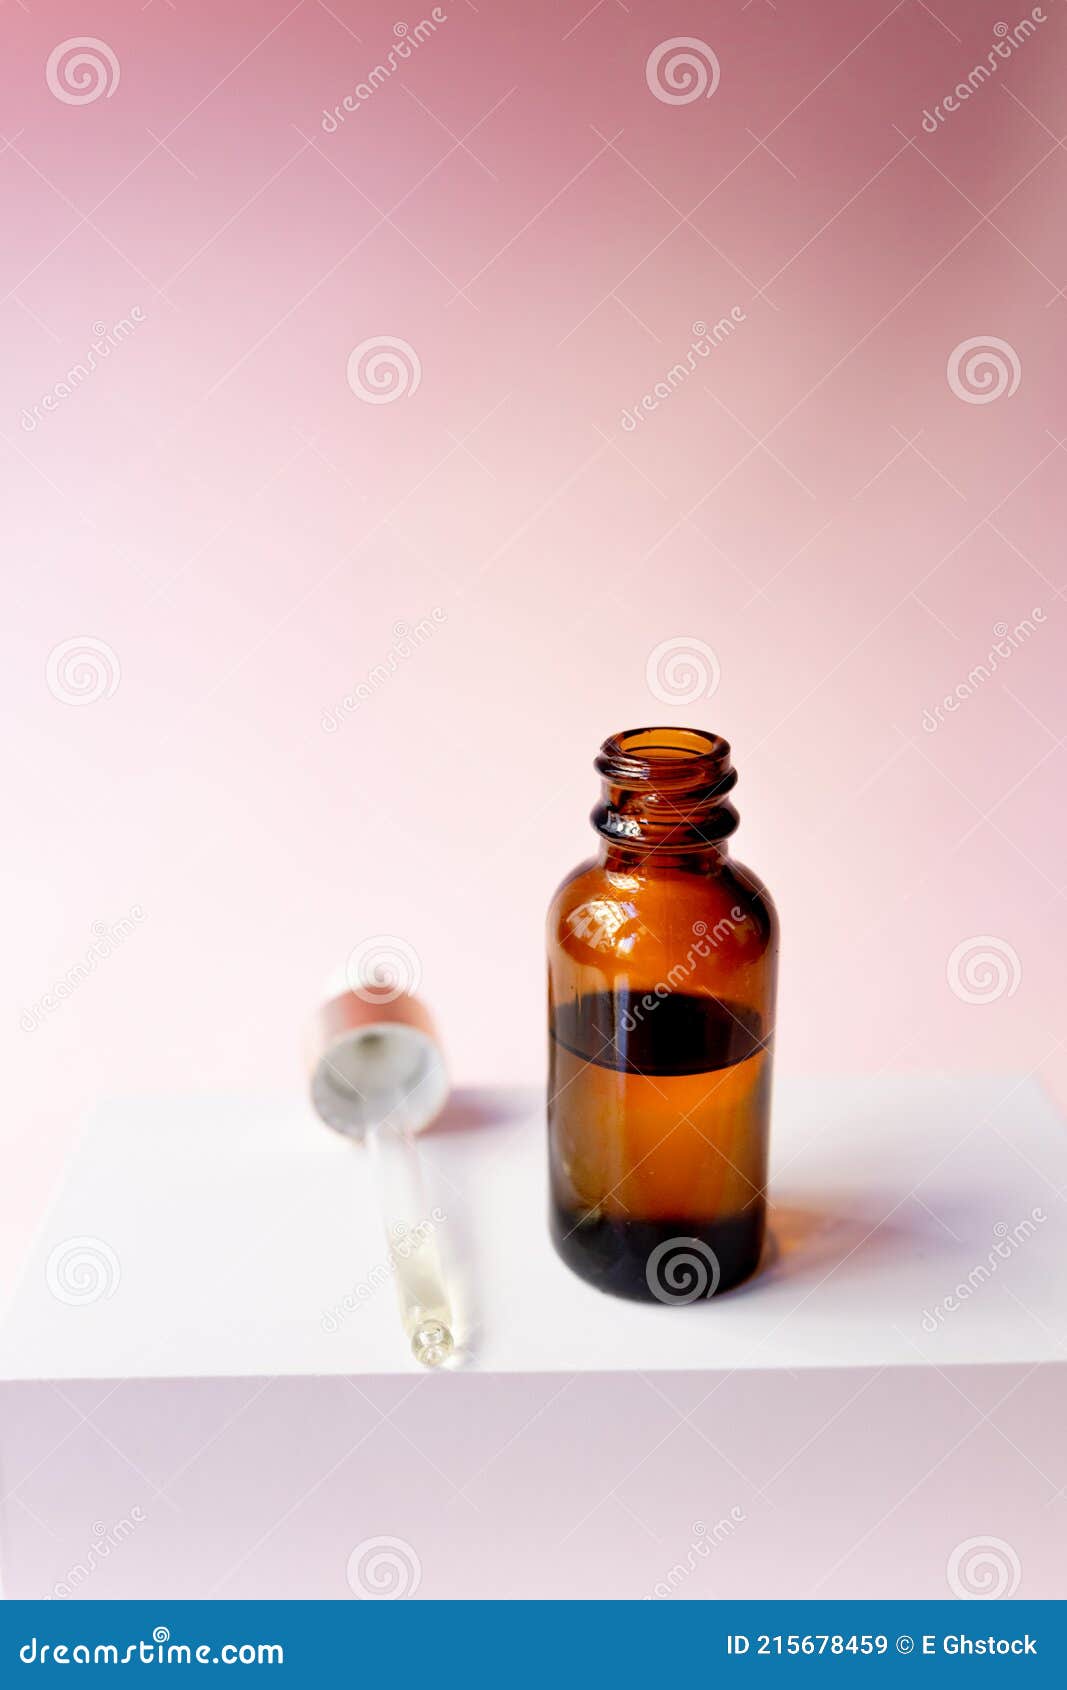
(658, 1111)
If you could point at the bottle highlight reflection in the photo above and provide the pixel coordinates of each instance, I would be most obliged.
(662, 958)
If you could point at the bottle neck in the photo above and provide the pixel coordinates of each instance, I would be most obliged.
(665, 800)
(645, 859)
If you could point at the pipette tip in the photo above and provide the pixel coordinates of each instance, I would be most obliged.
(432, 1343)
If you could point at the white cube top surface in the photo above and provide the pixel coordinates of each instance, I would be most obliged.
(915, 1219)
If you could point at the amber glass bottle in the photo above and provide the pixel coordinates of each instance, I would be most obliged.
(662, 956)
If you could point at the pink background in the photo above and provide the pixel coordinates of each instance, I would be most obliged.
(815, 503)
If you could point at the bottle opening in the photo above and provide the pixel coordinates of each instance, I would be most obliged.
(651, 756)
(657, 743)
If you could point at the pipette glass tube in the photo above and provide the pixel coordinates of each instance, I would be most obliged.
(409, 1229)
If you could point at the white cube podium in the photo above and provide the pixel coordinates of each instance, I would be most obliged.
(206, 1391)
